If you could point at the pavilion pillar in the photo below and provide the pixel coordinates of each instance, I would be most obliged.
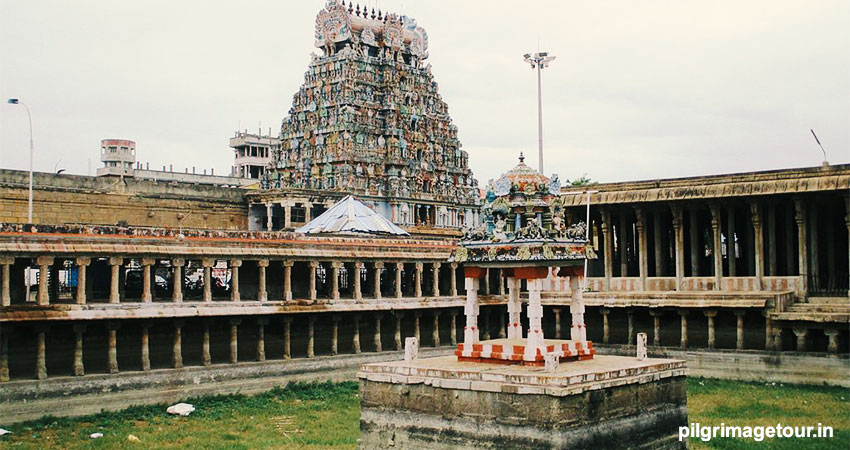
(376, 279)
(234, 340)
(378, 346)
(643, 260)
(833, 341)
(739, 336)
(716, 250)
(500, 276)
(557, 313)
(41, 351)
(847, 224)
(435, 334)
(514, 308)
(694, 232)
(534, 341)
(453, 280)
(206, 359)
(115, 279)
(771, 238)
(657, 239)
(177, 280)
(608, 248)
(358, 269)
(235, 296)
(485, 289)
(112, 345)
(4, 353)
(802, 249)
(335, 265)
(453, 330)
(287, 337)
(710, 314)
(207, 265)
(502, 331)
(656, 327)
(269, 216)
(631, 329)
(82, 266)
(578, 329)
(335, 334)
(417, 283)
(399, 267)
(485, 324)
(777, 339)
(758, 247)
(287, 280)
(311, 336)
(44, 263)
(5, 283)
(679, 238)
(768, 330)
(287, 215)
(417, 315)
(262, 289)
(147, 295)
(79, 368)
(731, 254)
(261, 338)
(623, 246)
(397, 335)
(312, 279)
(356, 338)
(435, 267)
(177, 345)
(801, 338)
(606, 329)
(470, 332)
(683, 316)
(145, 347)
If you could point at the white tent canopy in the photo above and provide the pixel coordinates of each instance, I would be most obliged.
(350, 215)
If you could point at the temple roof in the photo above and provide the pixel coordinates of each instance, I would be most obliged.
(350, 215)
(522, 174)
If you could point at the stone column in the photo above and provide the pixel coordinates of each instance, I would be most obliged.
(112, 343)
(777, 339)
(436, 279)
(145, 344)
(262, 290)
(679, 238)
(82, 265)
(378, 346)
(656, 327)
(802, 249)
(502, 326)
(710, 314)
(534, 342)
(557, 312)
(335, 334)
(716, 244)
(758, 238)
(287, 337)
(643, 256)
(177, 348)
(146, 263)
(485, 324)
(335, 265)
(287, 280)
(578, 329)
(739, 341)
(44, 263)
(115, 279)
(833, 341)
(207, 264)
(5, 284)
(486, 288)
(261, 338)
(287, 215)
(694, 231)
(623, 247)
(657, 244)
(453, 280)
(4, 353)
(177, 280)
(416, 328)
(435, 334)
(399, 267)
(683, 315)
(801, 338)
(41, 350)
(470, 332)
(312, 279)
(608, 248)
(356, 338)
(358, 268)
(453, 331)
(606, 329)
(768, 330)
(514, 308)
(771, 238)
(631, 335)
(311, 336)
(417, 280)
(234, 280)
(234, 340)
(731, 256)
(501, 278)
(206, 359)
(269, 216)
(376, 288)
(397, 336)
(79, 369)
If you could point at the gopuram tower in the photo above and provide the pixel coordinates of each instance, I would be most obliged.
(369, 120)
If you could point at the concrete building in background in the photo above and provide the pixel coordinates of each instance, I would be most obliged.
(118, 157)
(253, 153)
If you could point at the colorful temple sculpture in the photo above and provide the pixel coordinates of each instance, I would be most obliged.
(535, 251)
(368, 120)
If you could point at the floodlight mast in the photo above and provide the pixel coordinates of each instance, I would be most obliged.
(539, 61)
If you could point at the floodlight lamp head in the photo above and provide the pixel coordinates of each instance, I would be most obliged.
(13, 101)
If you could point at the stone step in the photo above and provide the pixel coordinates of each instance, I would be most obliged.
(829, 300)
(804, 307)
(812, 317)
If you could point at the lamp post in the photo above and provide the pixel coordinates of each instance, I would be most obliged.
(14, 101)
(539, 61)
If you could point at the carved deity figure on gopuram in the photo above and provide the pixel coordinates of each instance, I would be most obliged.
(369, 120)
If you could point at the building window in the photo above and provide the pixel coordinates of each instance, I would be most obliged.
(298, 213)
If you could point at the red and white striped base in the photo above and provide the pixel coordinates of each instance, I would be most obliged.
(511, 351)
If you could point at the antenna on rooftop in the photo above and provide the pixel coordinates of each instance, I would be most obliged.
(825, 162)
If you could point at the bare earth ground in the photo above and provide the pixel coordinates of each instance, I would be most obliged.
(319, 416)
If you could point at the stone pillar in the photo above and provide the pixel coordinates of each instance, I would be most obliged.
(44, 263)
(485, 324)
(501, 278)
(335, 334)
(234, 340)
(399, 267)
(146, 264)
(578, 329)
(5, 283)
(358, 269)
(694, 231)
(623, 246)
(435, 267)
(679, 239)
(376, 288)
(311, 336)
(177, 347)
(802, 249)
(731, 256)
(657, 238)
(557, 312)
(608, 248)
(207, 264)
(397, 336)
(82, 265)
(771, 238)
(41, 350)
(514, 308)
(312, 279)
(631, 334)
(356, 338)
(739, 341)
(287, 280)
(287, 215)
(112, 345)
(453, 331)
(145, 344)
(710, 314)
(643, 256)
(758, 238)
(683, 316)
(777, 339)
(335, 265)
(716, 243)
(486, 288)
(801, 338)
(534, 342)
(470, 332)
(79, 369)
(453, 280)
(262, 290)
(206, 359)
(768, 330)
(234, 280)
(177, 280)
(416, 326)
(4, 353)
(287, 337)
(378, 346)
(115, 279)
(261, 338)
(435, 334)
(606, 329)
(656, 327)
(502, 327)
(417, 280)
(833, 341)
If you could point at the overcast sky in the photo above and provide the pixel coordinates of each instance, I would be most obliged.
(640, 89)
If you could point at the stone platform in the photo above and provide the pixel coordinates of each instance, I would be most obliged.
(604, 402)
(512, 351)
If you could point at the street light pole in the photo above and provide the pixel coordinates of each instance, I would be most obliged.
(539, 61)
(15, 101)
